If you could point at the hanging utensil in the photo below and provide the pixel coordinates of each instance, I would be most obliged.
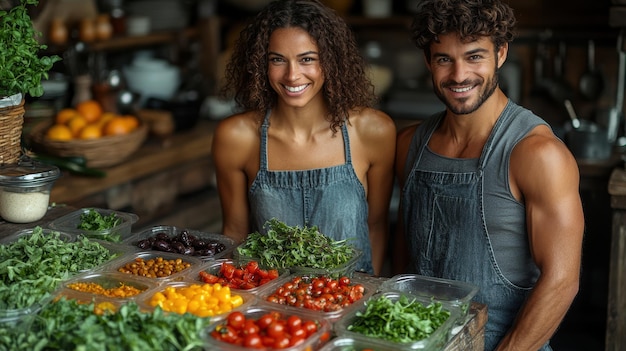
(572, 114)
(615, 114)
(591, 82)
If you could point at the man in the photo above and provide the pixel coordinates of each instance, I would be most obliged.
(489, 194)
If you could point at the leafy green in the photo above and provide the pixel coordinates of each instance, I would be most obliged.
(402, 321)
(286, 246)
(21, 68)
(68, 325)
(32, 266)
(95, 221)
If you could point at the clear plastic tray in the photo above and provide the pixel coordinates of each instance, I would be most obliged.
(107, 280)
(331, 316)
(115, 265)
(213, 267)
(344, 343)
(436, 341)
(346, 269)
(144, 303)
(172, 231)
(314, 342)
(70, 222)
(454, 292)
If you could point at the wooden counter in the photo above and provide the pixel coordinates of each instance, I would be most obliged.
(151, 182)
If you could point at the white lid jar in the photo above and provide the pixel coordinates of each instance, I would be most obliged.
(25, 190)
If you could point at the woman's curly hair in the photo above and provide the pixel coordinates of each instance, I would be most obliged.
(469, 18)
(346, 86)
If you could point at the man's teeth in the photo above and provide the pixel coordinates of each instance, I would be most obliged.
(296, 89)
(460, 90)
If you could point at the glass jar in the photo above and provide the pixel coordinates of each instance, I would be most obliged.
(25, 190)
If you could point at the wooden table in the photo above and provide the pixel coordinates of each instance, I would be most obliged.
(469, 338)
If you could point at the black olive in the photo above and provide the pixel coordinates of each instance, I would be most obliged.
(162, 236)
(161, 245)
(200, 244)
(183, 237)
(189, 250)
(144, 244)
(178, 247)
(203, 252)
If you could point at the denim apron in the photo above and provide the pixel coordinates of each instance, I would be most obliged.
(447, 235)
(333, 199)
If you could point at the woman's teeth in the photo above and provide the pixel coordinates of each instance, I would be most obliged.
(296, 89)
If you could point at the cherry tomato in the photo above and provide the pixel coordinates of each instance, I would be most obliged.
(281, 342)
(294, 323)
(253, 341)
(276, 329)
(236, 320)
(228, 334)
(251, 327)
(227, 270)
(296, 340)
(310, 327)
(344, 281)
(265, 320)
(252, 266)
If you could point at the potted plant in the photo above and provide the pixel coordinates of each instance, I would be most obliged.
(21, 66)
(21, 72)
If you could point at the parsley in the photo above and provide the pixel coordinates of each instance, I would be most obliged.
(285, 246)
(94, 221)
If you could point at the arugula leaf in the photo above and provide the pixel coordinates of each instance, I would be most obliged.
(286, 246)
(94, 221)
(402, 321)
(68, 325)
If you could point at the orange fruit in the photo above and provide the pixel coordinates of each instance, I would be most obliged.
(77, 123)
(105, 118)
(64, 115)
(91, 110)
(132, 122)
(90, 131)
(59, 132)
(116, 126)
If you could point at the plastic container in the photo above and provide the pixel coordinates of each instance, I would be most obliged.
(132, 257)
(456, 293)
(248, 298)
(313, 342)
(355, 344)
(172, 232)
(436, 340)
(346, 269)
(213, 267)
(331, 316)
(25, 190)
(70, 222)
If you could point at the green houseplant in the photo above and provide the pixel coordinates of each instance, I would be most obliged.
(21, 72)
(21, 66)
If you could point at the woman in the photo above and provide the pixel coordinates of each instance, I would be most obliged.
(309, 149)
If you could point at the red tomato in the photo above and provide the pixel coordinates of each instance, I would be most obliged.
(252, 266)
(300, 332)
(265, 320)
(276, 329)
(272, 274)
(251, 327)
(296, 340)
(294, 323)
(228, 334)
(236, 320)
(253, 341)
(208, 278)
(344, 281)
(281, 342)
(310, 327)
(227, 270)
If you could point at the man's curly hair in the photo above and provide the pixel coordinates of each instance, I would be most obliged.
(346, 86)
(471, 19)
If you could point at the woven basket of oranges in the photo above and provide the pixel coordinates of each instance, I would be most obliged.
(103, 138)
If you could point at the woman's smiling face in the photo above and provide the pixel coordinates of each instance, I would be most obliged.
(294, 69)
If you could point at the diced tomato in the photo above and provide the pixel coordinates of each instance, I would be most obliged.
(208, 277)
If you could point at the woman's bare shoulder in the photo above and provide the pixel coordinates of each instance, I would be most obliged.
(372, 123)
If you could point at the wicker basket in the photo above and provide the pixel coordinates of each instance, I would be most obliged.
(11, 121)
(101, 152)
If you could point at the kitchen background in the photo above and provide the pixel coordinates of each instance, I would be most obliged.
(168, 55)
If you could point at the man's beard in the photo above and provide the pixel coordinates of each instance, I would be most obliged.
(489, 88)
